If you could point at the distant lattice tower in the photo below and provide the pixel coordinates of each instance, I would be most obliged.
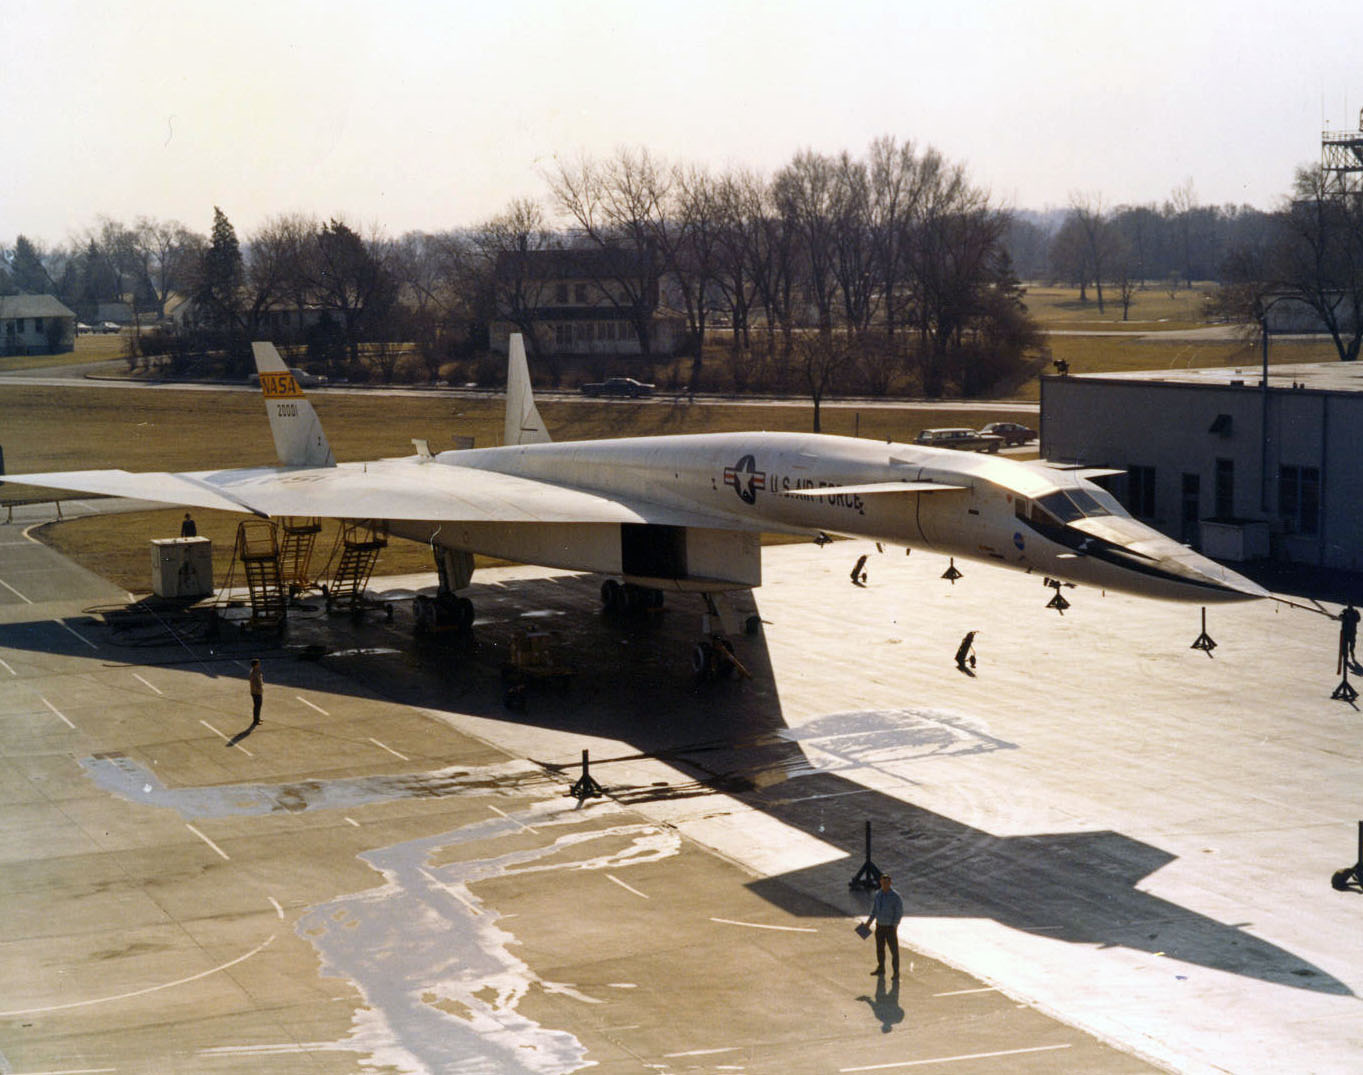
(1341, 157)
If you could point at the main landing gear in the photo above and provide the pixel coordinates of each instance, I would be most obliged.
(621, 597)
(714, 656)
(446, 611)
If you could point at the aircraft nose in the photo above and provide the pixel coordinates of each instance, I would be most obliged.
(1216, 581)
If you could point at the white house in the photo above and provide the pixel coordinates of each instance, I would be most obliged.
(35, 325)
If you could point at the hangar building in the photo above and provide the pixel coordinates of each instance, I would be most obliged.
(1215, 458)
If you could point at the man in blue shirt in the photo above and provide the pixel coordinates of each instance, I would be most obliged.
(886, 909)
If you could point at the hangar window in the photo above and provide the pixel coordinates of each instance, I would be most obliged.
(1299, 499)
(1140, 491)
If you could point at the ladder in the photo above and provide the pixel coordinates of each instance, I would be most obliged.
(359, 545)
(295, 552)
(257, 550)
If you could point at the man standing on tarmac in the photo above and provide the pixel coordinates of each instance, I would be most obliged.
(257, 684)
(887, 908)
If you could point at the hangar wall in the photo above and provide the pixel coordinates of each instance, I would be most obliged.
(1196, 452)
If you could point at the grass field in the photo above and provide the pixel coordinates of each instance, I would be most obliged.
(1152, 309)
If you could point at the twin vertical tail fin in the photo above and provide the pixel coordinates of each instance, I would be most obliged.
(298, 436)
(523, 422)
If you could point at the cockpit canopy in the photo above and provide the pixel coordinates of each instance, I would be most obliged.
(1068, 505)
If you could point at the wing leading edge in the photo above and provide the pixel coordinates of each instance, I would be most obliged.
(406, 489)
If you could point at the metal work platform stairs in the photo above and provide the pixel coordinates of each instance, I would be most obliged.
(295, 552)
(356, 552)
(257, 550)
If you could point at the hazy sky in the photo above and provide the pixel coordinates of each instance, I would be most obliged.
(425, 115)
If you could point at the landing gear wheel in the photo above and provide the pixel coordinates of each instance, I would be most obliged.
(463, 613)
(423, 613)
(612, 596)
(703, 661)
(752, 625)
(1340, 881)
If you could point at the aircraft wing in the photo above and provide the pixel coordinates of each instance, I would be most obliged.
(387, 489)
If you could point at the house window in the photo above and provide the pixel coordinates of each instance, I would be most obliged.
(1225, 489)
(1299, 499)
(607, 331)
(1140, 491)
(37, 324)
(583, 333)
(580, 294)
(560, 293)
(563, 335)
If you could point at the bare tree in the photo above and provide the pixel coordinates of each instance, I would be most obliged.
(805, 192)
(896, 189)
(734, 273)
(1101, 242)
(692, 251)
(820, 360)
(166, 251)
(854, 266)
(1318, 257)
(509, 246)
(620, 205)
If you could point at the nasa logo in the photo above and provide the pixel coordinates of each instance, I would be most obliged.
(1017, 540)
(746, 479)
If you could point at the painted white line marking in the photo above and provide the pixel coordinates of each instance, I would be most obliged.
(151, 686)
(504, 814)
(353, 822)
(627, 888)
(60, 623)
(68, 1071)
(441, 884)
(703, 1052)
(58, 712)
(142, 992)
(954, 1059)
(209, 842)
(15, 592)
(275, 904)
(967, 992)
(225, 738)
(8, 669)
(311, 706)
(390, 750)
(760, 925)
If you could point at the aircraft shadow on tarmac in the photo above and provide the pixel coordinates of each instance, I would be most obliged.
(633, 683)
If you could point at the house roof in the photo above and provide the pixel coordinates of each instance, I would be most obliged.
(12, 306)
(593, 264)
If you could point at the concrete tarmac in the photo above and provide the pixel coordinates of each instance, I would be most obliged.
(1115, 850)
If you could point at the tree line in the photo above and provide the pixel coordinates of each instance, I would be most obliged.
(888, 271)
(837, 272)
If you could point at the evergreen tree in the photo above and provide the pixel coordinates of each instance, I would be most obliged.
(218, 289)
(27, 270)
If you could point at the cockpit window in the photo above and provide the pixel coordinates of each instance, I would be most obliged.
(1068, 505)
(1060, 507)
(1087, 502)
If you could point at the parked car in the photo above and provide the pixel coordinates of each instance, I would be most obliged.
(967, 440)
(1011, 432)
(618, 386)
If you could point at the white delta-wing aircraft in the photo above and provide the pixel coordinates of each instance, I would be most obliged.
(684, 512)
